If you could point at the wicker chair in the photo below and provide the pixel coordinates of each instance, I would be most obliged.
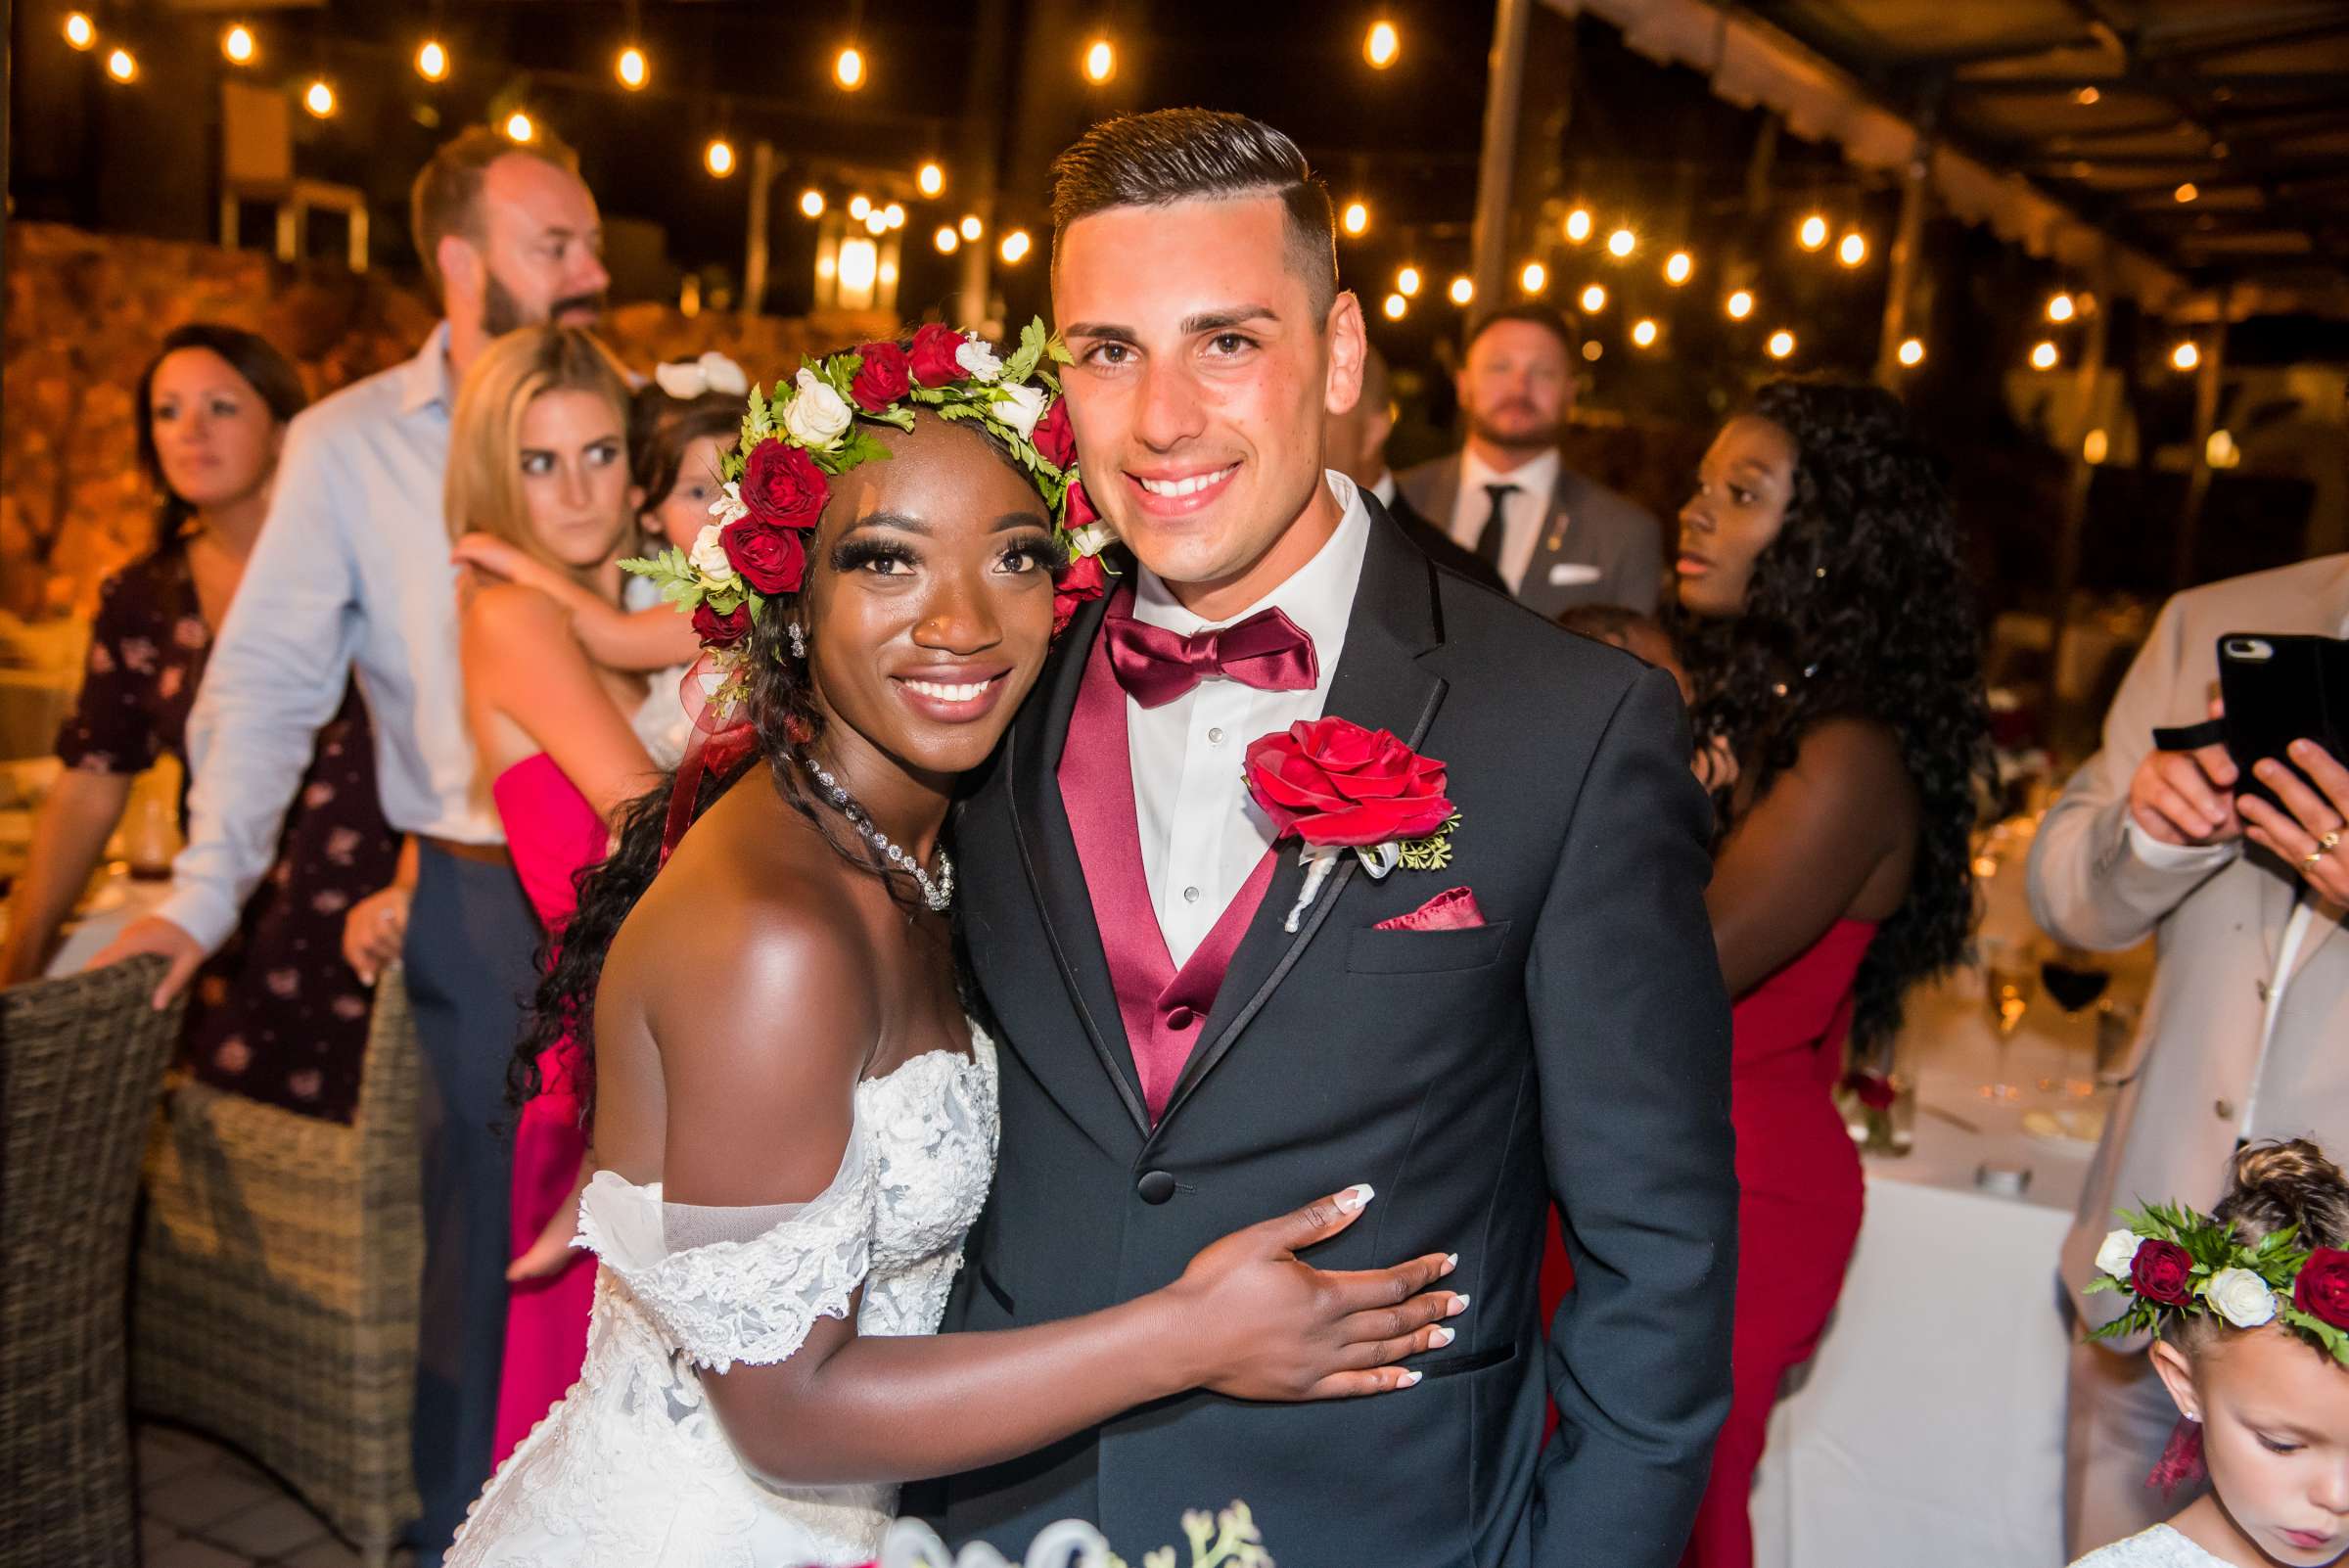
(81, 1063)
(277, 1301)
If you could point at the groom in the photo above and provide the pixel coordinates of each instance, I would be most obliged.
(1179, 1063)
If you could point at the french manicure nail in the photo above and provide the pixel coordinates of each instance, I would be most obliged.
(1442, 1336)
(1452, 1260)
(1459, 1305)
(1410, 1379)
(1353, 1198)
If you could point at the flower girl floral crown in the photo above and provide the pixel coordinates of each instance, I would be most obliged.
(2174, 1264)
(777, 480)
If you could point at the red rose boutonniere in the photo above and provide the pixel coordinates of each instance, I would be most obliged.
(1339, 787)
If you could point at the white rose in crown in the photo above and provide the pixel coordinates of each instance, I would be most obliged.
(1091, 539)
(979, 361)
(1019, 406)
(728, 507)
(710, 554)
(2118, 1250)
(817, 417)
(2241, 1297)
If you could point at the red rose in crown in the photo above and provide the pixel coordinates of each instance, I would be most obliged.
(2322, 1289)
(781, 486)
(2163, 1271)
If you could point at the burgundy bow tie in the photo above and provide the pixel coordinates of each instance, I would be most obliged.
(1266, 650)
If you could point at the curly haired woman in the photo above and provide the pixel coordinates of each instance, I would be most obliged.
(1833, 655)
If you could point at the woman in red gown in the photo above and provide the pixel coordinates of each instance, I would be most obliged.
(1832, 655)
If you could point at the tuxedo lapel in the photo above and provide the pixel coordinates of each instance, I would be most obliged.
(1379, 684)
(1049, 853)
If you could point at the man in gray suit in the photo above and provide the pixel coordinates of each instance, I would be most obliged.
(1557, 538)
(2244, 1030)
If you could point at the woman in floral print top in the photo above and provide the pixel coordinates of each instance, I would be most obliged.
(277, 1015)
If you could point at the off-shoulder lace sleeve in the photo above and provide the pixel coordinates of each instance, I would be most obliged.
(750, 1299)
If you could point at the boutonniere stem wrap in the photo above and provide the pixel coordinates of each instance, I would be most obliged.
(1342, 788)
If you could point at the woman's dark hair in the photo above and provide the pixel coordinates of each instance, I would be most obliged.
(786, 725)
(662, 427)
(268, 372)
(1860, 606)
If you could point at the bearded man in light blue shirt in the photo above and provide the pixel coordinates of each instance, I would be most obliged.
(352, 568)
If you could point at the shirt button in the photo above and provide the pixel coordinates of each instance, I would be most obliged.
(1215, 737)
(1190, 894)
(2224, 1108)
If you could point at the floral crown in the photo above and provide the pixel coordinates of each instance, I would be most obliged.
(2173, 1262)
(778, 478)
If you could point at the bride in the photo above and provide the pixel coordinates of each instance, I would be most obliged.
(792, 1121)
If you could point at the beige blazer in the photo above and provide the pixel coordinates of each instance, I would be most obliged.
(2196, 1062)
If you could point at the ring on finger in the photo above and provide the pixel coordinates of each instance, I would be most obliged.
(2308, 861)
(2329, 842)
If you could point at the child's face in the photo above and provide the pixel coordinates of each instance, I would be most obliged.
(2275, 1415)
(685, 511)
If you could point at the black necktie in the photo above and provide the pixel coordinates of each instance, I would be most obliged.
(1487, 543)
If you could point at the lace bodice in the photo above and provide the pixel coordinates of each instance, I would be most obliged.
(2158, 1547)
(631, 1468)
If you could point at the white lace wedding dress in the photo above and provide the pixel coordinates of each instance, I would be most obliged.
(631, 1469)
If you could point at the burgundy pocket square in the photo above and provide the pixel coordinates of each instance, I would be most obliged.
(1453, 909)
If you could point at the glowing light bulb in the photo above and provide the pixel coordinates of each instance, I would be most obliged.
(1679, 267)
(80, 31)
(1462, 289)
(1781, 343)
(1853, 250)
(238, 45)
(1740, 305)
(1594, 350)
(2185, 356)
(848, 68)
(1356, 219)
(1621, 242)
(2060, 307)
(811, 202)
(1381, 45)
(2220, 451)
(2096, 447)
(431, 61)
(718, 156)
(1014, 248)
(876, 222)
(2086, 95)
(970, 227)
(319, 98)
(632, 69)
(1407, 282)
(1100, 62)
(1814, 232)
(2188, 192)
(121, 66)
(2043, 356)
(518, 126)
(1593, 297)
(859, 204)
(947, 240)
(1578, 226)
(1534, 278)
(1643, 333)
(1395, 305)
(930, 179)
(1911, 351)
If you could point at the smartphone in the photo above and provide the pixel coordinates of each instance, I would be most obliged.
(2277, 689)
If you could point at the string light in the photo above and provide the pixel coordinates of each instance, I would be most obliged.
(1781, 343)
(1814, 232)
(237, 44)
(2096, 447)
(2043, 356)
(631, 68)
(719, 157)
(1853, 250)
(2060, 307)
(1381, 46)
(859, 206)
(319, 98)
(2188, 191)
(811, 203)
(1643, 333)
(1462, 289)
(1356, 219)
(1621, 242)
(1407, 282)
(80, 31)
(848, 68)
(893, 216)
(518, 126)
(120, 66)
(1593, 297)
(1740, 305)
(2086, 95)
(2220, 451)
(970, 227)
(947, 240)
(876, 222)
(1534, 278)
(1677, 267)
(1594, 349)
(931, 179)
(1911, 351)
(431, 61)
(1100, 62)
(1395, 305)
(2185, 356)
(1578, 226)
(1014, 249)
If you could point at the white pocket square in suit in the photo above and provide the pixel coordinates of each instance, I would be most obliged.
(1572, 573)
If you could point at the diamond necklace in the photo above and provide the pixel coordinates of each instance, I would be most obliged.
(937, 895)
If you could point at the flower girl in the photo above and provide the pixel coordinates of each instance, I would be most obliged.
(2249, 1310)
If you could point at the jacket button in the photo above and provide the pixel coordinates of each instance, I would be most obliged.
(1155, 1186)
(2224, 1109)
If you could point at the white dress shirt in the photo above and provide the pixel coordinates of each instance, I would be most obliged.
(352, 566)
(1202, 834)
(1522, 514)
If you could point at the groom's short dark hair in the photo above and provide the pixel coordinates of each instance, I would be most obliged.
(1186, 155)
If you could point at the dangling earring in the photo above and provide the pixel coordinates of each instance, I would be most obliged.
(799, 641)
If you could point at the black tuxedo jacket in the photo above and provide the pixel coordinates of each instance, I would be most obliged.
(1578, 1044)
(1438, 547)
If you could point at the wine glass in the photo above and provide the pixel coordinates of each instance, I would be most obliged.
(2010, 983)
(2073, 979)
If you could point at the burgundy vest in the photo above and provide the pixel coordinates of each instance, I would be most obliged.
(1162, 1008)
